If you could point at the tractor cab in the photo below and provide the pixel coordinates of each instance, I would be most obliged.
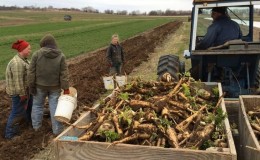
(235, 64)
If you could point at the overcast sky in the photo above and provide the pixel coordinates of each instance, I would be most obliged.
(101, 5)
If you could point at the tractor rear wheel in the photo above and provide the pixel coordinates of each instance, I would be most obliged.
(170, 64)
(257, 77)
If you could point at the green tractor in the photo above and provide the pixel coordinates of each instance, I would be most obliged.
(234, 64)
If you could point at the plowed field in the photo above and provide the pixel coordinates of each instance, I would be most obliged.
(86, 73)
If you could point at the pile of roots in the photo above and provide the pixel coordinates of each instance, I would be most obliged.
(182, 114)
(253, 116)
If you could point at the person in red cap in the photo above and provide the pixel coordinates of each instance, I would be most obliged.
(17, 88)
(48, 74)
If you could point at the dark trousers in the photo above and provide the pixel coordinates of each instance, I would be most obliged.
(115, 69)
(20, 111)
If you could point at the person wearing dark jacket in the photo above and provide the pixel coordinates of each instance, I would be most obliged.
(221, 30)
(48, 74)
(115, 56)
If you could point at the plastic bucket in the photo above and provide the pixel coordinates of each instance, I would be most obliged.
(66, 105)
(108, 82)
(121, 80)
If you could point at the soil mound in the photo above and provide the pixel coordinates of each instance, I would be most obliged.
(86, 73)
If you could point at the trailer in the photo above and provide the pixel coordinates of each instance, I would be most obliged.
(67, 145)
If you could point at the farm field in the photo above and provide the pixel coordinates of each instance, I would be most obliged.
(86, 32)
(85, 70)
(87, 65)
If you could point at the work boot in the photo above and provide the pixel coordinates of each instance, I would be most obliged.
(38, 130)
(18, 120)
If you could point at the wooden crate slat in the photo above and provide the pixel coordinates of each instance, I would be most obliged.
(101, 151)
(248, 139)
(230, 139)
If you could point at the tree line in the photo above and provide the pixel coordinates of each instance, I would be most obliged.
(90, 9)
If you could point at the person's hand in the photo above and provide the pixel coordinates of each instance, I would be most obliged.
(66, 91)
(23, 98)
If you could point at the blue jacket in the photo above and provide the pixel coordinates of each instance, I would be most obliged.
(220, 31)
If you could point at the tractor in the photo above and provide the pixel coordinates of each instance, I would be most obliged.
(234, 64)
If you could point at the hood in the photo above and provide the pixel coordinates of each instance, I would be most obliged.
(50, 52)
(48, 41)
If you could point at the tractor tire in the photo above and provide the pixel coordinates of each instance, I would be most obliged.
(257, 77)
(169, 64)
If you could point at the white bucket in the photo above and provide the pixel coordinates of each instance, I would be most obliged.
(108, 82)
(121, 80)
(66, 105)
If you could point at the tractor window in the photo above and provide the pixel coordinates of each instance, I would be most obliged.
(238, 14)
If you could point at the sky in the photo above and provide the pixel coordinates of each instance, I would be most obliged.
(101, 5)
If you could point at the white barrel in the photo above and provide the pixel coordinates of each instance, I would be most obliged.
(66, 105)
(121, 80)
(108, 82)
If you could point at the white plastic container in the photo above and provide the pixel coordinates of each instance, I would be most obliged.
(108, 82)
(66, 105)
(121, 80)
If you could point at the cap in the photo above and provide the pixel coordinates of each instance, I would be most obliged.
(20, 45)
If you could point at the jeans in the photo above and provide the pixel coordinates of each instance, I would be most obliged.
(37, 109)
(115, 69)
(20, 111)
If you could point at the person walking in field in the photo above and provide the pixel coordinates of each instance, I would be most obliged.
(48, 74)
(17, 88)
(115, 56)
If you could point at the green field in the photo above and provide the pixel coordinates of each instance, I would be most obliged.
(86, 32)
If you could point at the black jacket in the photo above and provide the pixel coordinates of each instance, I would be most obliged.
(115, 54)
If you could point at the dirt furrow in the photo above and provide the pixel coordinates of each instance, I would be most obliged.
(86, 73)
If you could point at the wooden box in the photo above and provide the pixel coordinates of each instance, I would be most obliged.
(69, 148)
(250, 147)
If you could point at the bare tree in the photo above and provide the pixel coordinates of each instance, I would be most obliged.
(108, 11)
(135, 13)
(123, 12)
(90, 9)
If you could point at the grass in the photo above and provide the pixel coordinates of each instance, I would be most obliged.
(174, 44)
(86, 32)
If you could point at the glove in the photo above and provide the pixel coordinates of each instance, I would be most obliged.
(66, 91)
(23, 98)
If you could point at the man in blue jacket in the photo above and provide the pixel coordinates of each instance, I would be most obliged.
(221, 30)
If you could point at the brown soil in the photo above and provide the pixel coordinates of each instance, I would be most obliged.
(86, 73)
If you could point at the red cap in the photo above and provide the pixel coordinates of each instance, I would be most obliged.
(20, 45)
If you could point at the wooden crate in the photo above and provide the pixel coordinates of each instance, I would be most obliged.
(67, 149)
(250, 147)
(232, 107)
